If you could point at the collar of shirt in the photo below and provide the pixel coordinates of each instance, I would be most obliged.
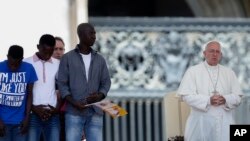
(211, 67)
(93, 52)
(36, 58)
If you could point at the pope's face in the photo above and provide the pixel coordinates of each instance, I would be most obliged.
(213, 53)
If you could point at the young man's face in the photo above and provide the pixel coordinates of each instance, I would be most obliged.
(45, 51)
(14, 64)
(88, 36)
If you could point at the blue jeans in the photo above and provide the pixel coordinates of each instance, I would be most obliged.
(13, 133)
(49, 128)
(91, 125)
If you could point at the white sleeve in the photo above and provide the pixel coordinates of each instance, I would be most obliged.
(188, 84)
(234, 98)
(187, 91)
(201, 102)
(232, 101)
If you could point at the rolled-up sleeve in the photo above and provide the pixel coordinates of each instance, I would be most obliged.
(105, 79)
(63, 77)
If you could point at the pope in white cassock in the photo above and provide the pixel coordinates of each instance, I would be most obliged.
(213, 92)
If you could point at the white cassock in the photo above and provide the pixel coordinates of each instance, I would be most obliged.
(207, 122)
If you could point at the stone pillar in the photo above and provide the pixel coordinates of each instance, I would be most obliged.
(78, 14)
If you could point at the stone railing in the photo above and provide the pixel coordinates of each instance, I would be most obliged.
(153, 54)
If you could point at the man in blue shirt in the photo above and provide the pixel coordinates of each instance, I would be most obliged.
(16, 84)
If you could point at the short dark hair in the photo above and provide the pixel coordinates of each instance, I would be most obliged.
(59, 39)
(81, 27)
(47, 39)
(16, 52)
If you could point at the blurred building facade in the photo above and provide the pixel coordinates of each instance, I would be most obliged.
(148, 46)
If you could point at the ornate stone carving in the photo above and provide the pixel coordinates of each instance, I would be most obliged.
(154, 59)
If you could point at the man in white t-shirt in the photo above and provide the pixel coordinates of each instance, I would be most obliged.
(83, 78)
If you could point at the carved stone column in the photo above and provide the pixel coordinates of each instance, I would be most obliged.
(78, 14)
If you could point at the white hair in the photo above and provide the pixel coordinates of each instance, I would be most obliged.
(209, 42)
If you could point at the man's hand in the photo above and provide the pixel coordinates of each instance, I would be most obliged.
(94, 97)
(214, 100)
(43, 111)
(24, 126)
(222, 100)
(217, 100)
(53, 110)
(80, 105)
